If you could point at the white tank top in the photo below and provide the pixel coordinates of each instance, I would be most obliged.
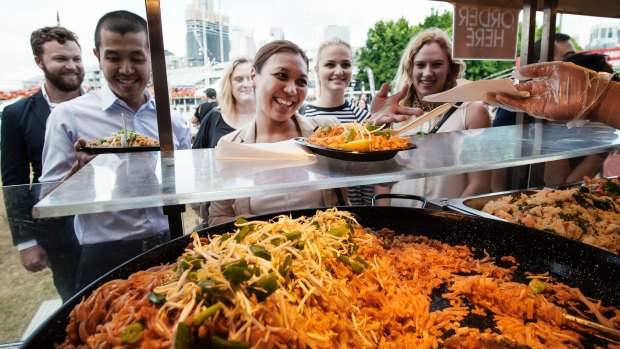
(449, 186)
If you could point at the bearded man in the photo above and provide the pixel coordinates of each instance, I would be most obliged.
(41, 243)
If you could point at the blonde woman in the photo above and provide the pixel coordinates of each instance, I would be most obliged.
(334, 71)
(236, 105)
(427, 67)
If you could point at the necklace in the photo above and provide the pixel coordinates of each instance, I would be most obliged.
(418, 104)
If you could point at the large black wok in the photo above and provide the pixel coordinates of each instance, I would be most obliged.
(593, 270)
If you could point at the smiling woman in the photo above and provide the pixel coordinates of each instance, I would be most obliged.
(280, 79)
(427, 67)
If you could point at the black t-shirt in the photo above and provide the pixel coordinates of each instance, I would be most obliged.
(212, 128)
(204, 109)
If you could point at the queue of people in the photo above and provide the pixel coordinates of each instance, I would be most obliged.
(261, 100)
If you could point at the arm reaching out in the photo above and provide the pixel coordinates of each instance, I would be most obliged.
(385, 108)
(564, 91)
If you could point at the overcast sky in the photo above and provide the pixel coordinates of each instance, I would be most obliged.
(298, 18)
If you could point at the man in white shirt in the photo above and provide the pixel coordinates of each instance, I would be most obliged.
(111, 238)
(41, 243)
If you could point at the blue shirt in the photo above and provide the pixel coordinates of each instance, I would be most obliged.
(91, 116)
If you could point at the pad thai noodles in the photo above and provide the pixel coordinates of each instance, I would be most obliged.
(326, 282)
(357, 137)
(134, 139)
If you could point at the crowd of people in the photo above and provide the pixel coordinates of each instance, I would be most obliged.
(260, 100)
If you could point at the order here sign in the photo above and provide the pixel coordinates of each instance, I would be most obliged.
(485, 32)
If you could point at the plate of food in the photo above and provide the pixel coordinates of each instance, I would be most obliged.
(355, 142)
(135, 142)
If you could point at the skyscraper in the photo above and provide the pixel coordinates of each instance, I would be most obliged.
(242, 42)
(342, 32)
(203, 24)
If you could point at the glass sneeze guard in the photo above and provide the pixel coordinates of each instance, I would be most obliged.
(138, 180)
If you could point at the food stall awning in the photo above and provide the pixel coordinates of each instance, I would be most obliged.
(598, 8)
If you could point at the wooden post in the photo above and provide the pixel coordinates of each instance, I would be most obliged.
(164, 122)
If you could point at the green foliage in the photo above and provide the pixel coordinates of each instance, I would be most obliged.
(385, 43)
(436, 20)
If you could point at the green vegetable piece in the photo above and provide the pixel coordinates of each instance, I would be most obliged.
(338, 232)
(207, 313)
(132, 333)
(210, 287)
(192, 276)
(611, 188)
(325, 129)
(193, 261)
(583, 189)
(383, 133)
(182, 338)
(581, 200)
(157, 299)
(219, 343)
(224, 237)
(537, 286)
(602, 204)
(285, 266)
(264, 287)
(361, 261)
(357, 267)
(243, 233)
(350, 136)
(241, 220)
(294, 235)
(371, 127)
(260, 251)
(316, 224)
(237, 272)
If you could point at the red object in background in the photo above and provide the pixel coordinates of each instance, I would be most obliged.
(18, 93)
(613, 55)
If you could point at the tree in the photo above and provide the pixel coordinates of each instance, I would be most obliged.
(385, 43)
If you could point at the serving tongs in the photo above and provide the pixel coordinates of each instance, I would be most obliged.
(124, 135)
(420, 120)
(601, 331)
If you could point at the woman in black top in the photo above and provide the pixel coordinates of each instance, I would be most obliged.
(236, 105)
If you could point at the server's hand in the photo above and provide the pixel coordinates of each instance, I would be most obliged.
(558, 91)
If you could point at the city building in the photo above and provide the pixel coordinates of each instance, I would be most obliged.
(605, 35)
(335, 31)
(242, 42)
(204, 25)
(605, 39)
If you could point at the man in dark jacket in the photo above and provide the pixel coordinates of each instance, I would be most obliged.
(51, 242)
(205, 107)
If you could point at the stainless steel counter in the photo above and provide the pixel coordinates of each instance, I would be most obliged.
(138, 180)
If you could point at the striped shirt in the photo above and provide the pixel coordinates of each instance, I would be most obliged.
(345, 113)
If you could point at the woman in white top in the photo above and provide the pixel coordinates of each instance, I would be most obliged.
(280, 79)
(427, 66)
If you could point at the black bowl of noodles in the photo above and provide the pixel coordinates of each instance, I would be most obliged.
(577, 265)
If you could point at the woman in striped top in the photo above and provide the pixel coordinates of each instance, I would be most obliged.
(334, 70)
